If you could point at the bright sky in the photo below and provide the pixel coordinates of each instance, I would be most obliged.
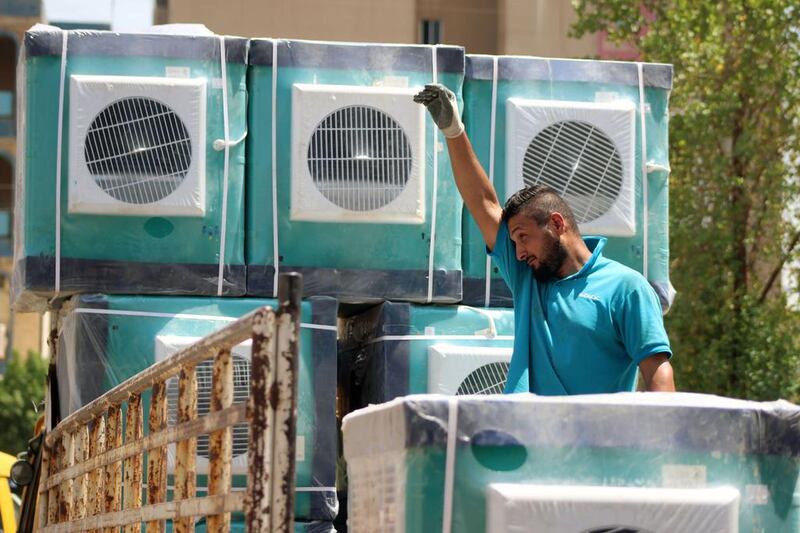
(124, 15)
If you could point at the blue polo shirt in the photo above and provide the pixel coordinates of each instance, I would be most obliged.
(582, 334)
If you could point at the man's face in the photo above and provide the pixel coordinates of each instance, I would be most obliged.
(540, 247)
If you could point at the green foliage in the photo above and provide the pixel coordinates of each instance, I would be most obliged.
(735, 157)
(21, 388)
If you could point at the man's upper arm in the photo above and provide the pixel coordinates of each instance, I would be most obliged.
(641, 322)
(488, 221)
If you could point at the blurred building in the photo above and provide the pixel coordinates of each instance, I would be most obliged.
(525, 27)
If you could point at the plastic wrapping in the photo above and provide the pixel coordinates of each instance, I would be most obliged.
(348, 181)
(148, 197)
(432, 463)
(104, 340)
(395, 349)
(577, 126)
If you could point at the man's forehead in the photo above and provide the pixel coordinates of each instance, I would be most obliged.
(519, 222)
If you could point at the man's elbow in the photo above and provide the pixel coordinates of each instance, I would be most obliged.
(658, 374)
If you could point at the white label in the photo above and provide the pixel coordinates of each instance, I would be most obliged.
(300, 448)
(430, 330)
(683, 476)
(177, 72)
(392, 81)
(606, 96)
(756, 494)
(216, 83)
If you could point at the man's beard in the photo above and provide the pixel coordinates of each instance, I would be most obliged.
(550, 260)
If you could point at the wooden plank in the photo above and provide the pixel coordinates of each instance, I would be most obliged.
(80, 485)
(260, 413)
(220, 442)
(113, 472)
(200, 426)
(133, 465)
(285, 427)
(44, 495)
(97, 445)
(185, 454)
(67, 459)
(173, 510)
(157, 457)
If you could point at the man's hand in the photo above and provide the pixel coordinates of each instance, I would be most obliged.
(442, 105)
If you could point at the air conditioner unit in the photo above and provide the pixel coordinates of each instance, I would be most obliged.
(166, 345)
(461, 370)
(358, 154)
(137, 146)
(596, 509)
(585, 151)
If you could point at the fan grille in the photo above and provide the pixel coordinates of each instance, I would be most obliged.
(359, 158)
(487, 379)
(138, 150)
(241, 390)
(578, 161)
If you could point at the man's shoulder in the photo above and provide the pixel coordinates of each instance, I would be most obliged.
(621, 277)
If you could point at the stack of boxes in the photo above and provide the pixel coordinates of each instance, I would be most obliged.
(166, 179)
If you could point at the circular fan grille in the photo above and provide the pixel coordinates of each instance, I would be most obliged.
(487, 379)
(359, 158)
(578, 161)
(138, 150)
(241, 390)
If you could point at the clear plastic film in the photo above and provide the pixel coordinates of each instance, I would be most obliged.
(104, 340)
(641, 462)
(348, 179)
(595, 131)
(131, 164)
(396, 349)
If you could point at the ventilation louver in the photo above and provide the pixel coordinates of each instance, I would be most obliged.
(463, 370)
(358, 154)
(240, 357)
(585, 151)
(137, 146)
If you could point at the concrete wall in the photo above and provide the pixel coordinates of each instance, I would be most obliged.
(469, 23)
(335, 20)
(540, 28)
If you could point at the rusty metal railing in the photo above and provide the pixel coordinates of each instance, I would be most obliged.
(92, 474)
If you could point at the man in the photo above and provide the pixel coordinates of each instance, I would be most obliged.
(583, 323)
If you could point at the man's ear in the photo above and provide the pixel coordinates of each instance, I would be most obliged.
(558, 223)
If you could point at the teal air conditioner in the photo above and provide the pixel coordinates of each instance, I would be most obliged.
(396, 349)
(596, 132)
(348, 180)
(130, 173)
(631, 462)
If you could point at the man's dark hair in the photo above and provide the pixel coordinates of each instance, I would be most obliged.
(538, 202)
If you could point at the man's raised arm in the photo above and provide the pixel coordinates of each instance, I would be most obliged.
(473, 184)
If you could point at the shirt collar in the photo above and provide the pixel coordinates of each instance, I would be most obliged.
(595, 245)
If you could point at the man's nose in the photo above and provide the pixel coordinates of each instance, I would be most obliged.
(521, 255)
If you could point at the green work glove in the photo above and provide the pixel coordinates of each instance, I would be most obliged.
(442, 105)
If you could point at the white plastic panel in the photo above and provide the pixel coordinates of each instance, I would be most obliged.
(165, 346)
(467, 369)
(358, 154)
(137, 146)
(583, 150)
(589, 509)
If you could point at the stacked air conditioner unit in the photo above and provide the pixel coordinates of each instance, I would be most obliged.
(397, 349)
(130, 176)
(596, 133)
(347, 180)
(624, 462)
